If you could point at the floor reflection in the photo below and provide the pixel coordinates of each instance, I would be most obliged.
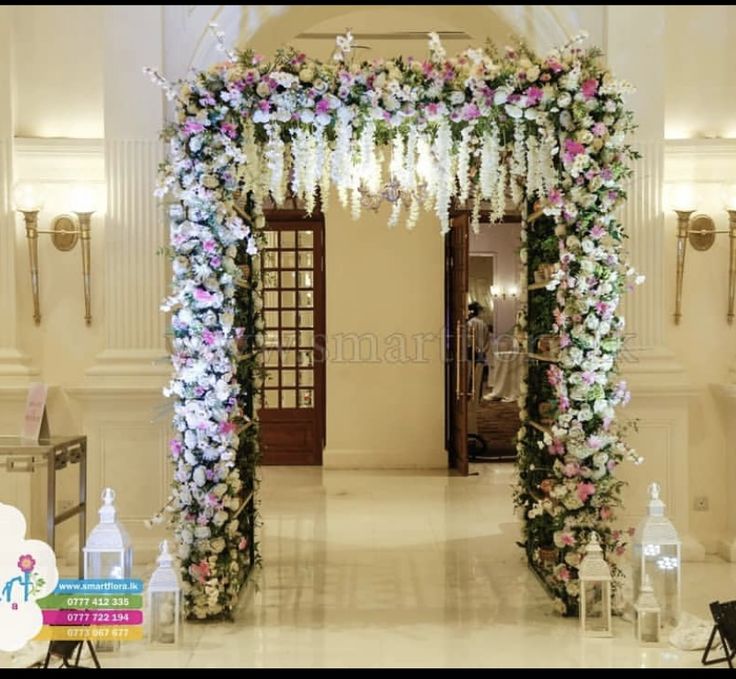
(406, 569)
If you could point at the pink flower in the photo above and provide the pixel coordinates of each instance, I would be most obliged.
(595, 442)
(470, 112)
(563, 574)
(555, 197)
(597, 232)
(599, 130)
(556, 447)
(534, 96)
(243, 543)
(192, 126)
(554, 65)
(322, 106)
(571, 469)
(200, 571)
(433, 110)
(573, 149)
(606, 513)
(229, 129)
(26, 563)
(203, 296)
(584, 491)
(227, 427)
(175, 447)
(588, 377)
(589, 88)
(208, 337)
(554, 376)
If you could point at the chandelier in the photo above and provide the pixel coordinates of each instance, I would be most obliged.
(392, 193)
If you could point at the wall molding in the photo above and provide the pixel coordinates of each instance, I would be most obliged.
(701, 147)
(59, 146)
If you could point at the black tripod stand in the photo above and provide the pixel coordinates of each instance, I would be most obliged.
(724, 616)
(65, 650)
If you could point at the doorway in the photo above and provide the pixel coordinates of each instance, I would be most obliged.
(292, 412)
(485, 362)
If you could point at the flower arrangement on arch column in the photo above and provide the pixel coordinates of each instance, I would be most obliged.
(548, 131)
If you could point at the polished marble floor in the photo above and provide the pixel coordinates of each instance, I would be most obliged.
(406, 569)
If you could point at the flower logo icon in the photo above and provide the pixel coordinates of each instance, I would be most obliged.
(26, 563)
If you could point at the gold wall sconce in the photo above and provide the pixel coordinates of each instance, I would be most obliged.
(501, 292)
(66, 230)
(700, 231)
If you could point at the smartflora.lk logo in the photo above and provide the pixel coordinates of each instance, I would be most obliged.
(27, 573)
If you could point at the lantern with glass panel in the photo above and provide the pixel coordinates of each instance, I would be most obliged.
(108, 552)
(164, 600)
(595, 591)
(657, 552)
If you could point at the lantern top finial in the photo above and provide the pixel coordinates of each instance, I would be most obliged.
(164, 578)
(593, 565)
(107, 511)
(164, 556)
(656, 506)
(647, 600)
(594, 544)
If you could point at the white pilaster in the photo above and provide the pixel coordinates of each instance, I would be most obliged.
(662, 392)
(135, 274)
(14, 365)
(122, 410)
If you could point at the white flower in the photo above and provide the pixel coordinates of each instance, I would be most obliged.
(199, 477)
(514, 111)
(457, 97)
(501, 95)
(564, 100)
(202, 532)
(306, 75)
(435, 47)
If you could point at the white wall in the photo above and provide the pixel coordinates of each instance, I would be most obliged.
(700, 46)
(58, 71)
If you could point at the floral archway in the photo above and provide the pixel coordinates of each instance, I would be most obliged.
(551, 131)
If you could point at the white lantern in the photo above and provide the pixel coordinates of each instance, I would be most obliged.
(595, 591)
(164, 600)
(108, 552)
(648, 614)
(657, 553)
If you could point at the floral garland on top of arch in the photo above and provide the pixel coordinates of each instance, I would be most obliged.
(549, 130)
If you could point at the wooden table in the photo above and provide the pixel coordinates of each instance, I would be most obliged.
(57, 452)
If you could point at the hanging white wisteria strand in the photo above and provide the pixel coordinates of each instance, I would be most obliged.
(550, 131)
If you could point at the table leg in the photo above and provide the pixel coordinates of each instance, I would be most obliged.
(83, 503)
(51, 499)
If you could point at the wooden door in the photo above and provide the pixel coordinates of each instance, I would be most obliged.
(456, 341)
(292, 413)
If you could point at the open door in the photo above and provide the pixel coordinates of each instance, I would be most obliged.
(456, 341)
